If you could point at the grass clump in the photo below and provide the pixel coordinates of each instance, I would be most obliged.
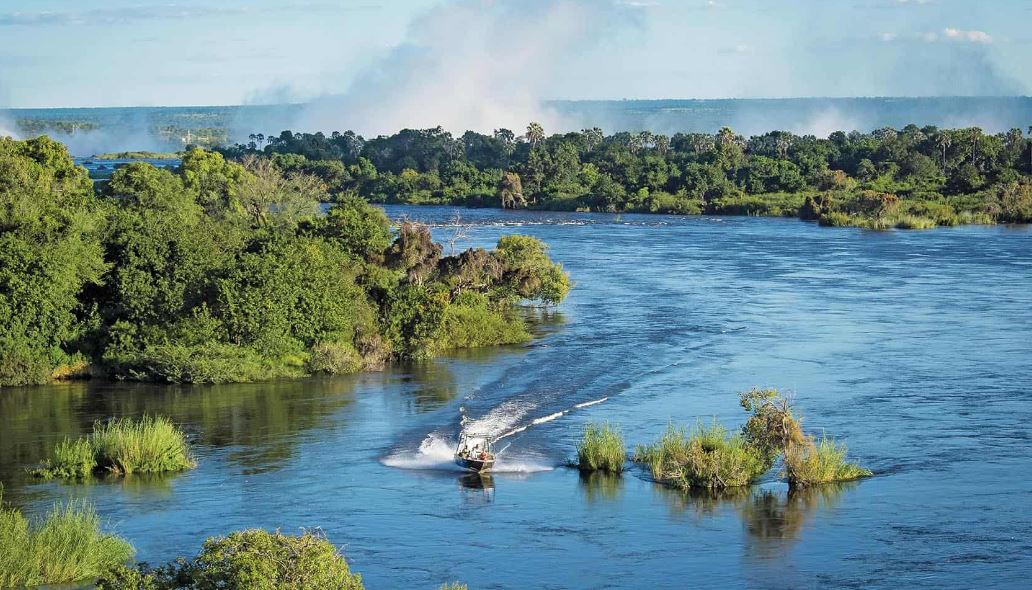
(601, 449)
(454, 586)
(707, 458)
(123, 446)
(253, 558)
(64, 546)
(818, 462)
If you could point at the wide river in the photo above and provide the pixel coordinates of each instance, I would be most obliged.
(915, 348)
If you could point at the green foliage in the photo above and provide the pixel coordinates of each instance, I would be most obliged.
(469, 322)
(527, 271)
(601, 449)
(335, 358)
(122, 446)
(454, 586)
(220, 272)
(209, 362)
(813, 463)
(50, 251)
(63, 547)
(723, 173)
(253, 559)
(710, 458)
(706, 458)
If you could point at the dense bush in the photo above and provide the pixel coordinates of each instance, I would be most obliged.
(63, 547)
(601, 449)
(123, 446)
(224, 272)
(253, 559)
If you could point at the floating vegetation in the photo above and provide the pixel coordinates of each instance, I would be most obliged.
(123, 446)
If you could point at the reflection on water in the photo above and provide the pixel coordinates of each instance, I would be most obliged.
(600, 486)
(770, 515)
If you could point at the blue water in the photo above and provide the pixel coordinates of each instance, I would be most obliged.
(912, 347)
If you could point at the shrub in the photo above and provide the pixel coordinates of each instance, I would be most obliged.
(470, 322)
(706, 458)
(65, 546)
(177, 363)
(820, 462)
(71, 460)
(123, 446)
(336, 358)
(454, 586)
(253, 559)
(601, 449)
(835, 219)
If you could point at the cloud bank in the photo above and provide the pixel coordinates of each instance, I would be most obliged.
(473, 64)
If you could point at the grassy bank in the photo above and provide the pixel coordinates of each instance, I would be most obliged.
(706, 457)
(65, 546)
(123, 446)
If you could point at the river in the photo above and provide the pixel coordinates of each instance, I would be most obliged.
(912, 347)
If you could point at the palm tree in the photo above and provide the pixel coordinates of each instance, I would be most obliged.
(943, 141)
(535, 133)
(1030, 149)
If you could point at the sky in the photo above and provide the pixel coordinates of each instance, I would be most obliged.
(59, 53)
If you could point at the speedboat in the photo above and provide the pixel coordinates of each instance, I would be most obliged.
(474, 452)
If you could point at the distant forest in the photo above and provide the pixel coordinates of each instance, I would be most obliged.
(913, 177)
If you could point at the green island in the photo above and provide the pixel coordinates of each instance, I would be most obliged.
(227, 272)
(910, 178)
(138, 156)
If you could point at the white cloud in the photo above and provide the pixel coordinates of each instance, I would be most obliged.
(947, 34)
(968, 36)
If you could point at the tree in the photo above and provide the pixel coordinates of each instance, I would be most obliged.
(944, 140)
(50, 251)
(535, 133)
(510, 191)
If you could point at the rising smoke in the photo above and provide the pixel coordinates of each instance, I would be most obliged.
(473, 64)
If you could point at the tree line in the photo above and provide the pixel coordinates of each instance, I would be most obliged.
(232, 271)
(947, 176)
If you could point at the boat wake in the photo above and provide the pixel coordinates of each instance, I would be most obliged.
(436, 452)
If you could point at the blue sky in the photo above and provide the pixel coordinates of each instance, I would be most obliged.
(133, 52)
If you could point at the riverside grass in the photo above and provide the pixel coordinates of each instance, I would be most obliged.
(65, 546)
(601, 449)
(123, 446)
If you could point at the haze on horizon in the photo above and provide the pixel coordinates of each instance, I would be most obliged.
(481, 64)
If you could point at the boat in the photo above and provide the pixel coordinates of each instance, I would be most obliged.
(474, 452)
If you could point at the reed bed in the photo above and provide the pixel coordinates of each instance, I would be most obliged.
(123, 446)
(601, 449)
(65, 546)
(819, 462)
(705, 458)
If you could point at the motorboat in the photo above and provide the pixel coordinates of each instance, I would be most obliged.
(474, 452)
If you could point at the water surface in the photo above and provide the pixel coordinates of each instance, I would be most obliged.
(913, 347)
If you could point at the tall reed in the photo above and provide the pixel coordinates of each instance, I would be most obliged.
(65, 546)
(122, 446)
(601, 449)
